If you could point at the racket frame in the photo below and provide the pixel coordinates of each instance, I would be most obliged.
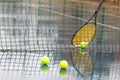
(89, 21)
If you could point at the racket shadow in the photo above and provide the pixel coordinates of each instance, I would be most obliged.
(83, 63)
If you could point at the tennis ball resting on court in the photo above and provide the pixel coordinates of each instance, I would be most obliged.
(45, 60)
(83, 45)
(63, 64)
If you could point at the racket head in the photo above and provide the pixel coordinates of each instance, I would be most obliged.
(83, 62)
(85, 34)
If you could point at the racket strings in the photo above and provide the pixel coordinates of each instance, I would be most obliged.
(84, 34)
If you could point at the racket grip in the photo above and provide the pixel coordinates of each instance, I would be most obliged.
(99, 6)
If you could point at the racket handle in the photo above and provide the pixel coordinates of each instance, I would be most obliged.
(99, 6)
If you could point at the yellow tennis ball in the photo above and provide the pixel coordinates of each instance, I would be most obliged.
(45, 60)
(63, 64)
(83, 45)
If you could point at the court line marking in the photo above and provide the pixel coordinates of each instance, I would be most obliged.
(85, 20)
(81, 19)
(76, 17)
(86, 2)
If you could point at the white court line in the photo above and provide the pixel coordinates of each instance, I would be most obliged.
(81, 19)
(96, 4)
(110, 26)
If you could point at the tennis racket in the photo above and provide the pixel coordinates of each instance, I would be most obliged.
(84, 63)
(87, 32)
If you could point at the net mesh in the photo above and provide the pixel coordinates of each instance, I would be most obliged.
(30, 29)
